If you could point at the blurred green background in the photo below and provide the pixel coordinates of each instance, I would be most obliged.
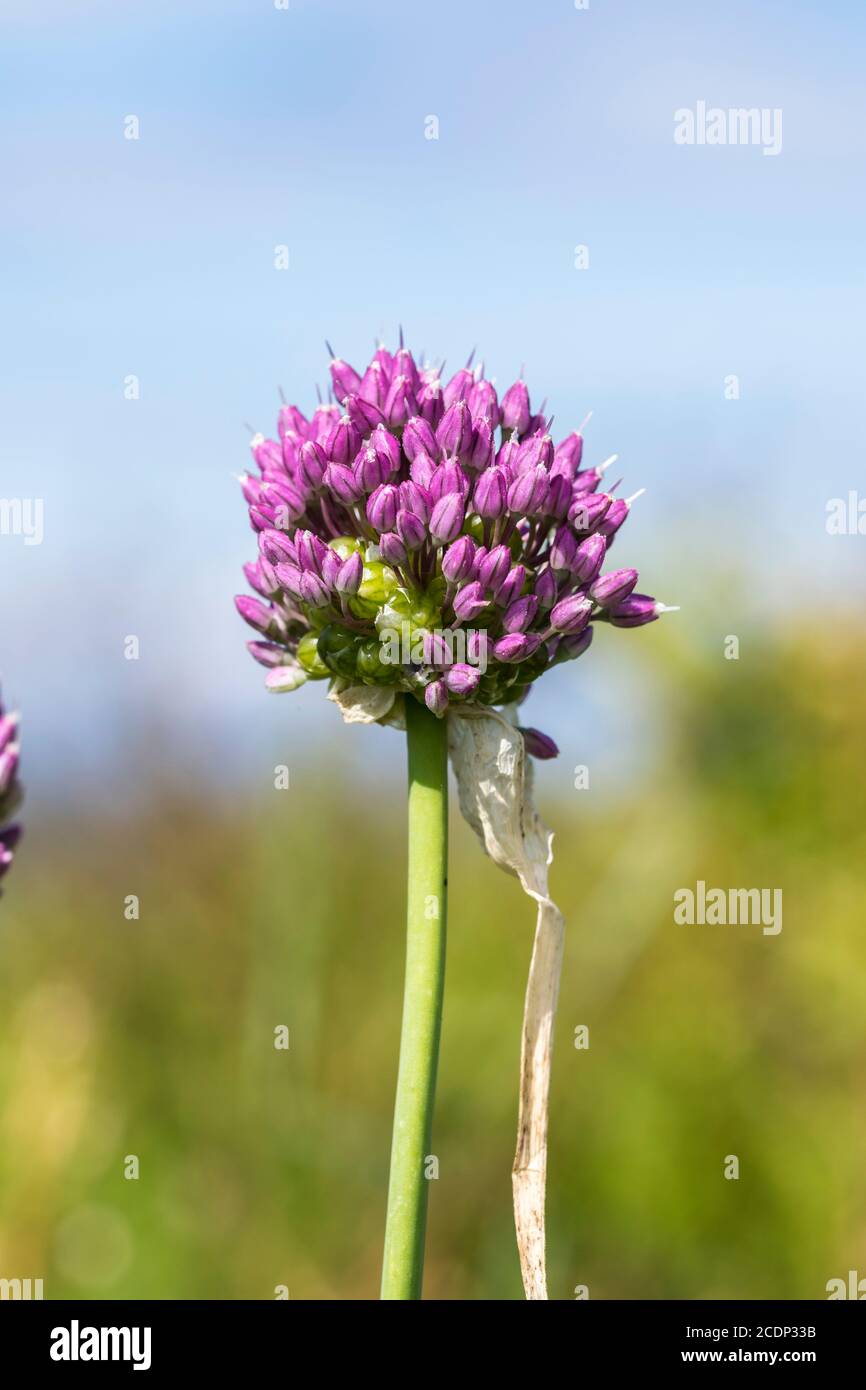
(261, 1167)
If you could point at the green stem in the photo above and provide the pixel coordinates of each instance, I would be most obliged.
(403, 1264)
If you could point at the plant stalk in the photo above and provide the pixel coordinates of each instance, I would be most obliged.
(403, 1263)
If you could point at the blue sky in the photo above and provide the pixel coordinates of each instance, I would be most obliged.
(305, 127)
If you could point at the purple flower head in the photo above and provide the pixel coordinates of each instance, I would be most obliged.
(436, 510)
(10, 787)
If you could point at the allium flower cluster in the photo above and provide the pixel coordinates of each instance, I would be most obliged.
(434, 512)
(10, 787)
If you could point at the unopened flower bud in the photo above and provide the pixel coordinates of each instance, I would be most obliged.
(539, 745)
(392, 549)
(436, 697)
(589, 558)
(520, 614)
(612, 588)
(571, 614)
(446, 518)
(349, 575)
(462, 680)
(469, 602)
(516, 646)
(410, 529)
(490, 494)
(458, 560)
(515, 408)
(418, 435)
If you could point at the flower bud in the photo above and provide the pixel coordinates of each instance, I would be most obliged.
(410, 529)
(469, 602)
(310, 551)
(567, 456)
(291, 420)
(392, 549)
(516, 646)
(342, 484)
(589, 559)
(576, 644)
(458, 388)
(284, 678)
(382, 507)
(364, 415)
(415, 498)
(515, 408)
(312, 462)
(483, 448)
(588, 509)
(418, 435)
(400, 402)
(290, 578)
(490, 494)
(254, 612)
(446, 518)
(430, 406)
(374, 385)
(370, 469)
(612, 588)
(267, 653)
(448, 477)
(421, 470)
(546, 589)
(563, 550)
(462, 680)
(349, 575)
(635, 610)
(494, 567)
(614, 518)
(539, 745)
(455, 433)
(571, 614)
(527, 495)
(511, 587)
(558, 497)
(458, 560)
(483, 404)
(344, 441)
(436, 697)
(344, 378)
(314, 590)
(520, 614)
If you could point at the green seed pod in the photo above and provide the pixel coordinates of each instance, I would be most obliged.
(372, 669)
(308, 656)
(338, 649)
(345, 545)
(364, 608)
(379, 581)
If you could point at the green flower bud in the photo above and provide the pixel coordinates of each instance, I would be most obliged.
(345, 545)
(308, 656)
(371, 667)
(338, 649)
(364, 608)
(379, 581)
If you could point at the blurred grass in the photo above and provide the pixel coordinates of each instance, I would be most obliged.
(261, 1167)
